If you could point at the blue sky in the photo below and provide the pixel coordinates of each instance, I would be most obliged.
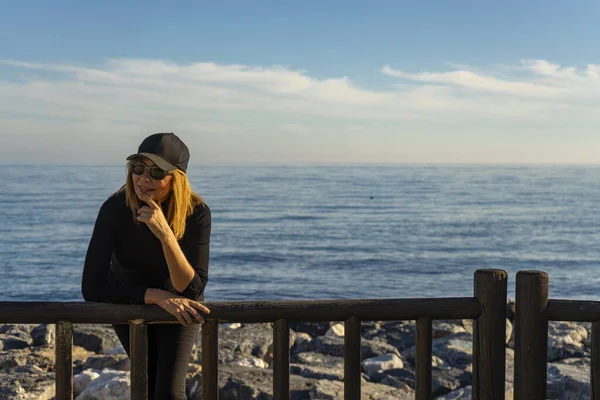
(302, 82)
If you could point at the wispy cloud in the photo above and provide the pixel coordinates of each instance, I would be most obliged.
(143, 95)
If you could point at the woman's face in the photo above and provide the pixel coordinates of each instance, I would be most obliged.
(144, 184)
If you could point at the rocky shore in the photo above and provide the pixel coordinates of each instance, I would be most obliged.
(245, 352)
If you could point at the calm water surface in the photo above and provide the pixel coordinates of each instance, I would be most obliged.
(326, 232)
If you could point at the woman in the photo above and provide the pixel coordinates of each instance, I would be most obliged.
(150, 245)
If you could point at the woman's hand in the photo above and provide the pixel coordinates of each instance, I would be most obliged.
(184, 309)
(153, 216)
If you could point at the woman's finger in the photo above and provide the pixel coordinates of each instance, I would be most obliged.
(187, 317)
(200, 307)
(193, 312)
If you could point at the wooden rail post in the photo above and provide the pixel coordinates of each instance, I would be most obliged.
(352, 359)
(138, 339)
(63, 360)
(281, 360)
(489, 335)
(423, 360)
(595, 367)
(210, 359)
(531, 335)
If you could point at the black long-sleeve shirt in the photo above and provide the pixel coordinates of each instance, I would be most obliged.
(124, 258)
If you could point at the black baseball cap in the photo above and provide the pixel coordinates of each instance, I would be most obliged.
(165, 150)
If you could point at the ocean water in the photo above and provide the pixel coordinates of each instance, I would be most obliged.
(326, 232)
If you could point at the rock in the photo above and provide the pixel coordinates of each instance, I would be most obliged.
(27, 382)
(113, 385)
(250, 340)
(43, 335)
(315, 372)
(334, 346)
(566, 340)
(333, 390)
(394, 382)
(96, 338)
(312, 328)
(82, 380)
(509, 330)
(510, 310)
(231, 325)
(468, 325)
(12, 359)
(8, 342)
(251, 362)
(568, 381)
(447, 379)
(236, 382)
(301, 337)
(118, 362)
(337, 330)
(318, 359)
(116, 350)
(399, 334)
(462, 393)
(373, 365)
(445, 328)
(455, 350)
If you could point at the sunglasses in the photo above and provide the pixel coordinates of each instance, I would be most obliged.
(156, 173)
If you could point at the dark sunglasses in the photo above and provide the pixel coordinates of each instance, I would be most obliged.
(156, 173)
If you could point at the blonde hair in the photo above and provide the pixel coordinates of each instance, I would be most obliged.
(182, 204)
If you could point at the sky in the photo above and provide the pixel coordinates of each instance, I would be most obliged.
(288, 82)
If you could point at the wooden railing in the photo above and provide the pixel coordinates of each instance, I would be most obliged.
(487, 307)
(532, 313)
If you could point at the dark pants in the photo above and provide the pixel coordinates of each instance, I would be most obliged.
(169, 352)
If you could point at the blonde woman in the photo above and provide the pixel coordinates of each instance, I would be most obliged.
(150, 245)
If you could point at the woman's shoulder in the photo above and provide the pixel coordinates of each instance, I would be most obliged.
(201, 213)
(115, 202)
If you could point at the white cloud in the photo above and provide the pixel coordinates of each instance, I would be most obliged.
(131, 97)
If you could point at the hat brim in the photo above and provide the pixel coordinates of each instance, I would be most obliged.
(160, 163)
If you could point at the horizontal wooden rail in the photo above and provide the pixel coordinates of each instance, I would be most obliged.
(246, 311)
(573, 310)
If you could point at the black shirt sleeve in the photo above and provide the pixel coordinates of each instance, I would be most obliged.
(95, 285)
(195, 246)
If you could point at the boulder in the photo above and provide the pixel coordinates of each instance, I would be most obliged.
(566, 340)
(236, 382)
(43, 335)
(318, 359)
(27, 382)
(312, 328)
(374, 365)
(568, 380)
(110, 385)
(118, 362)
(455, 350)
(334, 390)
(96, 338)
(334, 346)
(337, 330)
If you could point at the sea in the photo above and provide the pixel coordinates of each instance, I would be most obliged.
(326, 232)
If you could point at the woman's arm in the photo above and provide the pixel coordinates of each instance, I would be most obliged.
(188, 261)
(94, 283)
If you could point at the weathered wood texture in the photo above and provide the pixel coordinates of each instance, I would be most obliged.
(595, 368)
(531, 335)
(138, 339)
(210, 359)
(424, 343)
(573, 310)
(247, 311)
(63, 355)
(281, 360)
(352, 359)
(489, 335)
